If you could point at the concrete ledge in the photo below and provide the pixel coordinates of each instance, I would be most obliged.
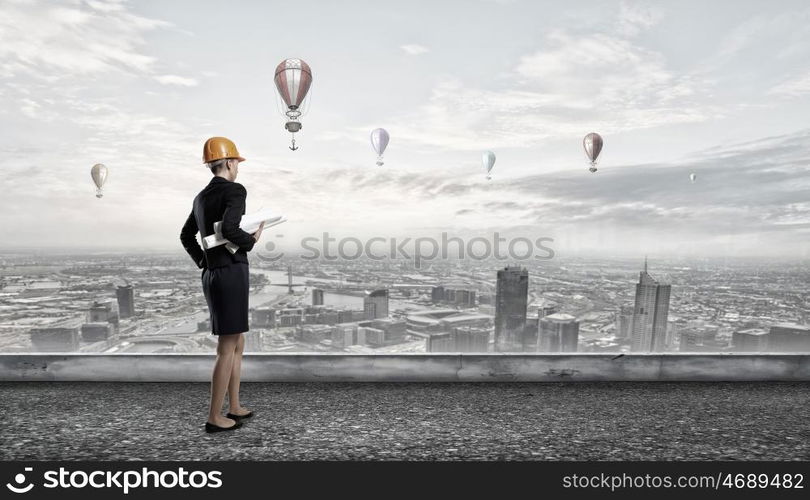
(496, 367)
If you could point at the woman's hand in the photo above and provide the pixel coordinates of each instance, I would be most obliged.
(258, 233)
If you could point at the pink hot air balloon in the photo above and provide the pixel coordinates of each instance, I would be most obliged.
(293, 78)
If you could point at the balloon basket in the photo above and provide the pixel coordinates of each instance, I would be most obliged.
(293, 126)
(592, 169)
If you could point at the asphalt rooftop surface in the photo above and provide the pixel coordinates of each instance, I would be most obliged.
(382, 421)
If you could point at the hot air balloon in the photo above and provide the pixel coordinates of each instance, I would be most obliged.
(692, 177)
(293, 78)
(593, 146)
(488, 159)
(99, 175)
(379, 141)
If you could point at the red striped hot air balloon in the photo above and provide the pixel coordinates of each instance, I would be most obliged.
(293, 78)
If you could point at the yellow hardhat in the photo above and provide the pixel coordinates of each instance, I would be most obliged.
(217, 148)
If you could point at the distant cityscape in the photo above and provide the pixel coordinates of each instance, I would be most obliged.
(146, 303)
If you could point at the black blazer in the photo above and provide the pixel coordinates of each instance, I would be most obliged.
(221, 200)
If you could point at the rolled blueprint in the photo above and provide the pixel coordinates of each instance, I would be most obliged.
(250, 224)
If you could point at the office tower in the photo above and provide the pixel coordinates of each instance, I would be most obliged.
(373, 336)
(59, 337)
(465, 298)
(126, 301)
(624, 322)
(511, 295)
(317, 297)
(101, 312)
(439, 342)
(750, 340)
(788, 337)
(558, 332)
(345, 316)
(470, 339)
(650, 314)
(459, 297)
(344, 335)
(263, 317)
(375, 304)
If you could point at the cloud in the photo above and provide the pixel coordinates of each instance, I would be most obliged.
(636, 17)
(180, 81)
(793, 87)
(414, 49)
(599, 80)
(50, 41)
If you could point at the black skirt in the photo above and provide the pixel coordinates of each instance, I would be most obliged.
(227, 290)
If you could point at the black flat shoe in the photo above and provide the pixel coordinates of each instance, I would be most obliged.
(239, 417)
(209, 427)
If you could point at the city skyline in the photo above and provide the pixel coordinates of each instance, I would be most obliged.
(83, 304)
(130, 85)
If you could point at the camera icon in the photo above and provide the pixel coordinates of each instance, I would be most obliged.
(271, 247)
(19, 479)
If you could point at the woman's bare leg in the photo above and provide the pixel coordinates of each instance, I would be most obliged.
(226, 347)
(236, 377)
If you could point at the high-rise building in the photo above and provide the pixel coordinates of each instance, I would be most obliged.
(624, 322)
(126, 301)
(317, 297)
(558, 332)
(750, 340)
(650, 314)
(375, 304)
(789, 338)
(511, 296)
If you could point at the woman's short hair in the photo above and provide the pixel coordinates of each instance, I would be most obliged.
(217, 165)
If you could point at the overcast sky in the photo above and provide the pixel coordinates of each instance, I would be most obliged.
(720, 88)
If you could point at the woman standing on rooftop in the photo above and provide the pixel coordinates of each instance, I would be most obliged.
(225, 276)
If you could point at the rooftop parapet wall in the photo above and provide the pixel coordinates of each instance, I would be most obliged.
(266, 367)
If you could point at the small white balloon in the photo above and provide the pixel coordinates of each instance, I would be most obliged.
(379, 141)
(488, 160)
(99, 175)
